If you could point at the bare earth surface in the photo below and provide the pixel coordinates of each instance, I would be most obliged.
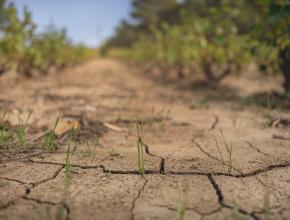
(184, 167)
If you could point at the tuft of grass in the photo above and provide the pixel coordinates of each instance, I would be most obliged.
(22, 129)
(266, 201)
(67, 182)
(201, 104)
(140, 149)
(162, 126)
(226, 162)
(3, 184)
(50, 137)
(74, 133)
(69, 154)
(114, 153)
(181, 209)
(2, 128)
(92, 150)
(237, 213)
(271, 102)
(158, 117)
(266, 205)
(39, 211)
(181, 205)
(234, 118)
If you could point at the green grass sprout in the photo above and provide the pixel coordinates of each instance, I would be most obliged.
(22, 129)
(140, 148)
(67, 182)
(50, 137)
(2, 129)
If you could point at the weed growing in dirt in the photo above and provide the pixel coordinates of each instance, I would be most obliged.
(266, 200)
(237, 214)
(201, 104)
(159, 117)
(162, 126)
(2, 129)
(69, 154)
(22, 129)
(92, 150)
(266, 205)
(181, 209)
(228, 163)
(2, 184)
(67, 181)
(114, 153)
(181, 205)
(140, 149)
(74, 132)
(271, 102)
(39, 211)
(151, 119)
(49, 142)
(234, 118)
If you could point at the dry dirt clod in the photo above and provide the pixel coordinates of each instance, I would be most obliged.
(66, 125)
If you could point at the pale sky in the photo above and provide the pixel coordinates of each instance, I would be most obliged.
(87, 21)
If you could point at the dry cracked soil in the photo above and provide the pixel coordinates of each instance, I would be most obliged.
(207, 155)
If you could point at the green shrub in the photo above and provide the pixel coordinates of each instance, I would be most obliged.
(28, 52)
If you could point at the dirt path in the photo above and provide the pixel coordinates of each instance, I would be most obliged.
(188, 163)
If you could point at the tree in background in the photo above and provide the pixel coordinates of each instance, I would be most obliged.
(23, 49)
(274, 31)
(220, 36)
(147, 13)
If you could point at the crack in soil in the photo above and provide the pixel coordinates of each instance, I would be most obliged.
(250, 174)
(223, 204)
(63, 164)
(147, 172)
(187, 208)
(216, 159)
(55, 174)
(8, 204)
(29, 186)
(137, 198)
(127, 172)
(261, 182)
(22, 158)
(281, 137)
(263, 170)
(156, 172)
(38, 201)
(162, 162)
(258, 150)
(26, 185)
(13, 180)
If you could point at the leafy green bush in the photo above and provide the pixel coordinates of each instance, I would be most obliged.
(28, 52)
(274, 32)
(220, 36)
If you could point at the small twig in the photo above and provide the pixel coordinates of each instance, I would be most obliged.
(113, 127)
(281, 137)
(216, 121)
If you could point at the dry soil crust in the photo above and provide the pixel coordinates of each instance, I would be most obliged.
(184, 168)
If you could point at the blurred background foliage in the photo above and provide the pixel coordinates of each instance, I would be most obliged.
(217, 37)
(29, 52)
